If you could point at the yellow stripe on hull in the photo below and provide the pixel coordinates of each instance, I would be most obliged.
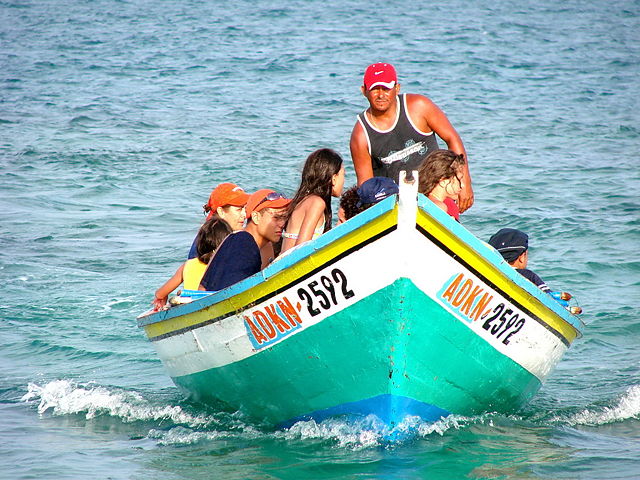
(493, 275)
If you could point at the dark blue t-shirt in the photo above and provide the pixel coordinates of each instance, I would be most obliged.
(533, 277)
(237, 258)
(193, 251)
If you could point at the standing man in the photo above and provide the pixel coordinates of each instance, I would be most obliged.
(398, 130)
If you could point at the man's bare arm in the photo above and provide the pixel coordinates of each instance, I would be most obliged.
(430, 117)
(360, 154)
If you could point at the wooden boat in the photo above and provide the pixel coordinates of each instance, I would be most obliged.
(398, 312)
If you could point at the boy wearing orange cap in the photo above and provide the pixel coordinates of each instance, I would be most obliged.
(239, 255)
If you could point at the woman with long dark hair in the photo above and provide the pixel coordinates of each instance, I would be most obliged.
(309, 213)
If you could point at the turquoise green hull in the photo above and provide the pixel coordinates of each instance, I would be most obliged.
(396, 343)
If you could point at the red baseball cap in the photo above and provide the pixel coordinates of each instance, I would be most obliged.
(265, 198)
(380, 74)
(227, 194)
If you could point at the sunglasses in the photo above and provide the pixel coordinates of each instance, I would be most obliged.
(270, 198)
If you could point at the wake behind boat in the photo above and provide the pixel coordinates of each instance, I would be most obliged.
(398, 312)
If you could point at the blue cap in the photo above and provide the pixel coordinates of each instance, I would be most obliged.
(511, 243)
(376, 189)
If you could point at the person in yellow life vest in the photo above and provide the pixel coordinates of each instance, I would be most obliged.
(190, 273)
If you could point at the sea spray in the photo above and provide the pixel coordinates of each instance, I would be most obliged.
(64, 397)
(628, 406)
(353, 432)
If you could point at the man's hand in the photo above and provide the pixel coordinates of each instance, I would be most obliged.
(465, 197)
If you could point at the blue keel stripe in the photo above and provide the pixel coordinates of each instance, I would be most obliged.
(391, 409)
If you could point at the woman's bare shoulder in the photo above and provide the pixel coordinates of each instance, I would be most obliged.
(311, 202)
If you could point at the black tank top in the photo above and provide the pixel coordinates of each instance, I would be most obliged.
(402, 147)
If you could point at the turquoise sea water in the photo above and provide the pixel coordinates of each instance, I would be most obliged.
(118, 117)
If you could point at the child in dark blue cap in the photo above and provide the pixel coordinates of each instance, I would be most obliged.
(375, 190)
(513, 245)
(358, 199)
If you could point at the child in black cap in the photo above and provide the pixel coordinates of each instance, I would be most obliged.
(513, 245)
(358, 199)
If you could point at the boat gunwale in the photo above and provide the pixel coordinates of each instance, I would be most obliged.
(464, 238)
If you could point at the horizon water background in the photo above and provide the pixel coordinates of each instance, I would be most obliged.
(117, 118)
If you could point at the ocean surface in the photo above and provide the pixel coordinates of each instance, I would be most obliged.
(117, 118)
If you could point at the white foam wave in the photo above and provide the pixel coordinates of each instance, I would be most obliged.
(64, 397)
(370, 431)
(182, 436)
(361, 433)
(186, 436)
(628, 406)
(355, 433)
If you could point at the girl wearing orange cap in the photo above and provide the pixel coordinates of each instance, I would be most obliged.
(226, 202)
(309, 213)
